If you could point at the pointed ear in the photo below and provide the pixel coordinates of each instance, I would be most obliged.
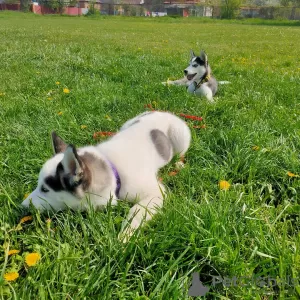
(57, 143)
(72, 165)
(192, 54)
(203, 57)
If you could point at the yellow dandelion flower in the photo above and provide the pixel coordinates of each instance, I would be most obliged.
(57, 82)
(11, 276)
(255, 148)
(25, 219)
(107, 117)
(31, 259)
(224, 185)
(13, 251)
(83, 126)
(26, 195)
(60, 113)
(66, 91)
(49, 98)
(290, 174)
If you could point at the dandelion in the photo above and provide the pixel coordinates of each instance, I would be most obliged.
(57, 83)
(83, 126)
(12, 252)
(107, 117)
(49, 98)
(290, 174)
(224, 185)
(66, 91)
(255, 148)
(60, 113)
(31, 259)
(26, 195)
(11, 276)
(25, 219)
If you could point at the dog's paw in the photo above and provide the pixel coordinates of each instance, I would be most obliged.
(168, 82)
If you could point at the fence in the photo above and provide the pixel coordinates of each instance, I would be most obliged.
(139, 8)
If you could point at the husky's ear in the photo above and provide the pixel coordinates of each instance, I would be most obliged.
(192, 54)
(72, 165)
(57, 143)
(203, 57)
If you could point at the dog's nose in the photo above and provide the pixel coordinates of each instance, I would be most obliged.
(185, 72)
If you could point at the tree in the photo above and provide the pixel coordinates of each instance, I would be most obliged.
(230, 8)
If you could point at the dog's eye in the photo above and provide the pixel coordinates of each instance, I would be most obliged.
(194, 66)
(44, 190)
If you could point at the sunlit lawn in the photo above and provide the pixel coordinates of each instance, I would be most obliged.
(83, 75)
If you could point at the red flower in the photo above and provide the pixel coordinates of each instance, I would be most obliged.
(195, 118)
(102, 134)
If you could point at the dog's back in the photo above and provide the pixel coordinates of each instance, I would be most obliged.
(164, 132)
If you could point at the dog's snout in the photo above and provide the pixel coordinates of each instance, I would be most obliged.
(185, 72)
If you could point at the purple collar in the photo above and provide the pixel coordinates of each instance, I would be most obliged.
(118, 180)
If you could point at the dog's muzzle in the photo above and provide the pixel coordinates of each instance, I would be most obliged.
(189, 76)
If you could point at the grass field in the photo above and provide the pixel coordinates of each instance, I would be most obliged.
(112, 68)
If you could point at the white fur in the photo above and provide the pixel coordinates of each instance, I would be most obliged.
(134, 155)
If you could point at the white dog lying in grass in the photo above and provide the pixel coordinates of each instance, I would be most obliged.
(125, 166)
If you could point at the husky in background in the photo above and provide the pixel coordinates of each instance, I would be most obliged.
(198, 77)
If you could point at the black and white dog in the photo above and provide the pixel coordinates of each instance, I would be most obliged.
(198, 77)
(124, 167)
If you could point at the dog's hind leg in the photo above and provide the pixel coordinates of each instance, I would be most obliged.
(180, 136)
(206, 92)
(142, 212)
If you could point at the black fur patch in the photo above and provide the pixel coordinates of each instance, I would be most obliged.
(161, 143)
(54, 182)
(199, 61)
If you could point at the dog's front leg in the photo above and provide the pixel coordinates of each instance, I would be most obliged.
(139, 213)
(182, 81)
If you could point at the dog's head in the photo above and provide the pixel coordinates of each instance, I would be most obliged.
(63, 179)
(198, 66)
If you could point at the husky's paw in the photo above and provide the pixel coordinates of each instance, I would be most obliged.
(168, 82)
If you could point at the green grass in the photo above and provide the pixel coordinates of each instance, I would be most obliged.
(114, 66)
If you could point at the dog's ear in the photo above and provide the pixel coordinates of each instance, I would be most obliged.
(203, 57)
(72, 165)
(192, 54)
(57, 143)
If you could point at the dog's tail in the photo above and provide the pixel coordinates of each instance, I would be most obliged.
(179, 135)
(224, 82)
